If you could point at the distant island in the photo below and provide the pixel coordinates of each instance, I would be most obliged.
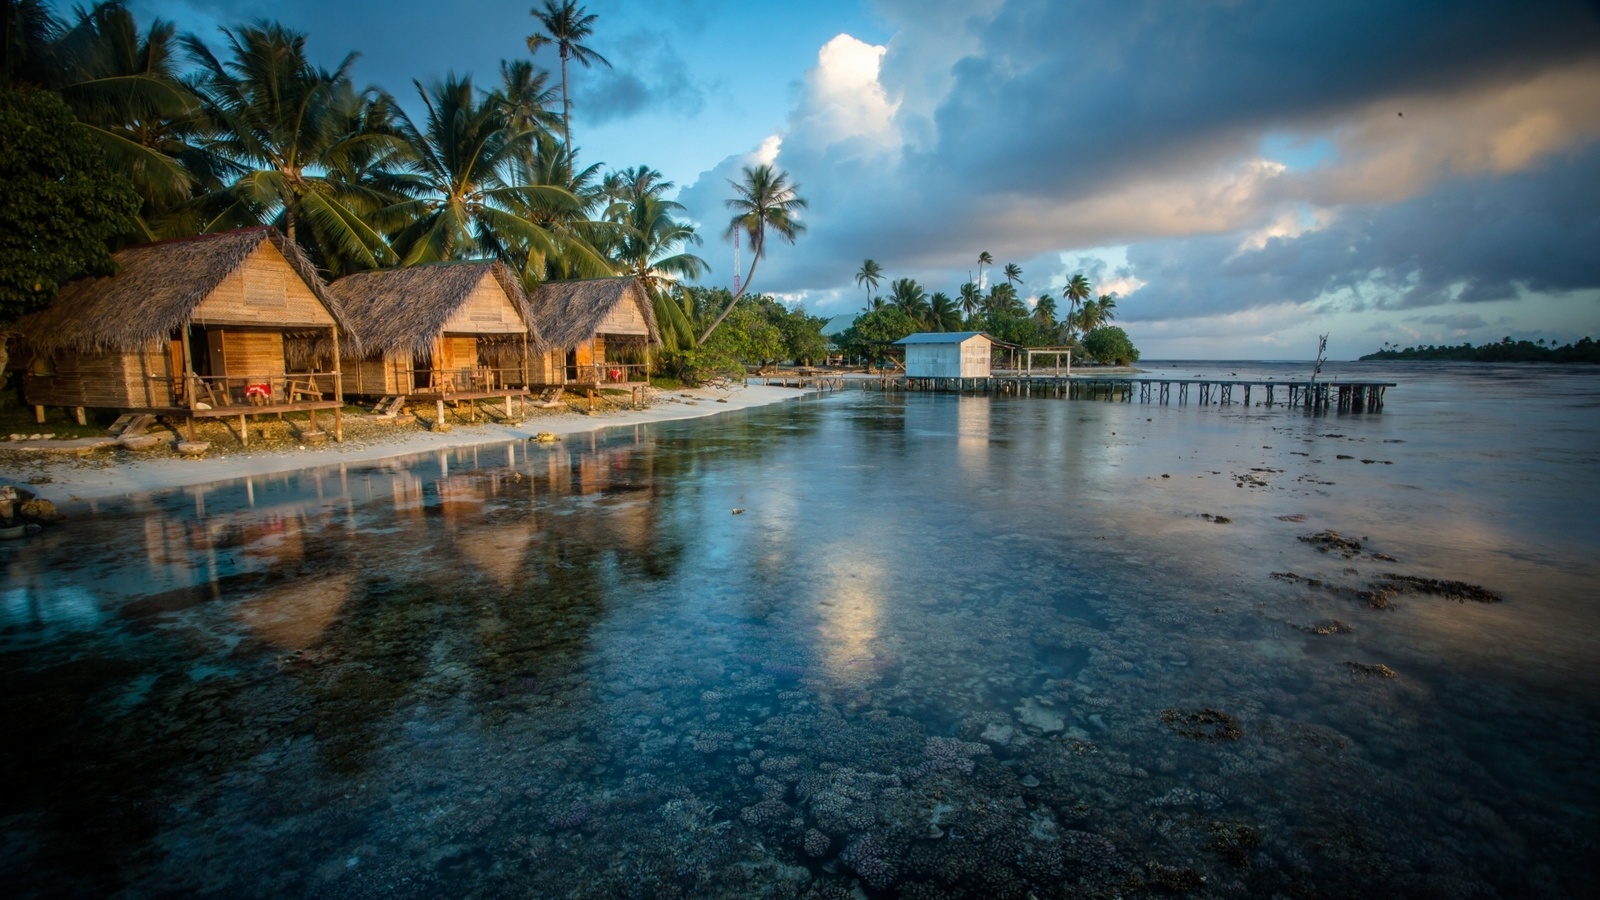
(1584, 351)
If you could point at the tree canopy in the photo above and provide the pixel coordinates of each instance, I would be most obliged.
(62, 206)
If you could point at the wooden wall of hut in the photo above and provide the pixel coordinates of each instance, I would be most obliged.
(624, 318)
(486, 311)
(106, 379)
(245, 353)
(377, 375)
(264, 291)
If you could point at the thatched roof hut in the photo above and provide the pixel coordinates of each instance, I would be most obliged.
(448, 327)
(405, 310)
(193, 326)
(159, 288)
(568, 313)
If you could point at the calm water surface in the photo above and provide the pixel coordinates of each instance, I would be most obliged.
(951, 646)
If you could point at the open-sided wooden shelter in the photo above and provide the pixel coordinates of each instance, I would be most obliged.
(601, 331)
(448, 332)
(222, 325)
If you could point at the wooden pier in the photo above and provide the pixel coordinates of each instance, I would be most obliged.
(816, 381)
(1343, 396)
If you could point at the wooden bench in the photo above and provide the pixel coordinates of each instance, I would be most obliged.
(298, 389)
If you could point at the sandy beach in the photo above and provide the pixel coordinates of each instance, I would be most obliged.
(74, 478)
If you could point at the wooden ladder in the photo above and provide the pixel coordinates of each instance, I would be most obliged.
(128, 425)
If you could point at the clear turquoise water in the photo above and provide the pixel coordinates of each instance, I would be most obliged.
(930, 658)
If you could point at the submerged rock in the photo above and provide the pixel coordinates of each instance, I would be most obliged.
(1370, 670)
(1202, 724)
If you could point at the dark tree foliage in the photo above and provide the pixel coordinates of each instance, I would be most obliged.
(1109, 345)
(873, 333)
(61, 205)
(1507, 350)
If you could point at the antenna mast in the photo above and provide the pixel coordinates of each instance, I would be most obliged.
(736, 262)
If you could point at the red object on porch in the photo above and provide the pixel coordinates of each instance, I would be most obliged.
(258, 391)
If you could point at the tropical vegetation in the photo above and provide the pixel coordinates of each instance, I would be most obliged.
(116, 133)
(999, 311)
(1586, 350)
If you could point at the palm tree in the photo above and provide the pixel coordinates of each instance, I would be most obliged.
(1013, 273)
(1089, 317)
(971, 299)
(984, 259)
(279, 123)
(1044, 311)
(943, 314)
(653, 247)
(1076, 291)
(1106, 308)
(565, 25)
(869, 275)
(464, 149)
(124, 89)
(1003, 299)
(764, 200)
(909, 297)
(525, 91)
(579, 242)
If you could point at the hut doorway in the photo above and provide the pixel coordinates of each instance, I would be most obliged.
(421, 371)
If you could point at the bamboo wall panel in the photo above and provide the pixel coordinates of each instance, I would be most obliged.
(624, 318)
(266, 290)
(253, 353)
(459, 352)
(103, 380)
(487, 311)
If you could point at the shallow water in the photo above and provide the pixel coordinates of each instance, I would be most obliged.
(951, 646)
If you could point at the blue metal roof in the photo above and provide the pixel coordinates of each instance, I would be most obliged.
(941, 337)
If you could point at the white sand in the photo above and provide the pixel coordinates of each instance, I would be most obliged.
(75, 482)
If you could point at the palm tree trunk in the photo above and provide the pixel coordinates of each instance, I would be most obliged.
(731, 303)
(566, 107)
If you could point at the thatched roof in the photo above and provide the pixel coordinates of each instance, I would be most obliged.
(404, 310)
(155, 292)
(568, 312)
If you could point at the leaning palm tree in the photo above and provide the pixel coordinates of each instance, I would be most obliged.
(765, 199)
(279, 126)
(984, 259)
(565, 25)
(1013, 273)
(909, 298)
(869, 275)
(1076, 291)
(464, 149)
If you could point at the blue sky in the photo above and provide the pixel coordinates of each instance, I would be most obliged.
(1244, 175)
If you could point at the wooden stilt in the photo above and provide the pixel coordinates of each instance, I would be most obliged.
(38, 414)
(244, 431)
(82, 418)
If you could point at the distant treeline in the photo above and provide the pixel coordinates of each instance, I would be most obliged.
(1584, 351)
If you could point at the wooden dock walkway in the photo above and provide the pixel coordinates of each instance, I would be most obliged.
(817, 381)
(1344, 396)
